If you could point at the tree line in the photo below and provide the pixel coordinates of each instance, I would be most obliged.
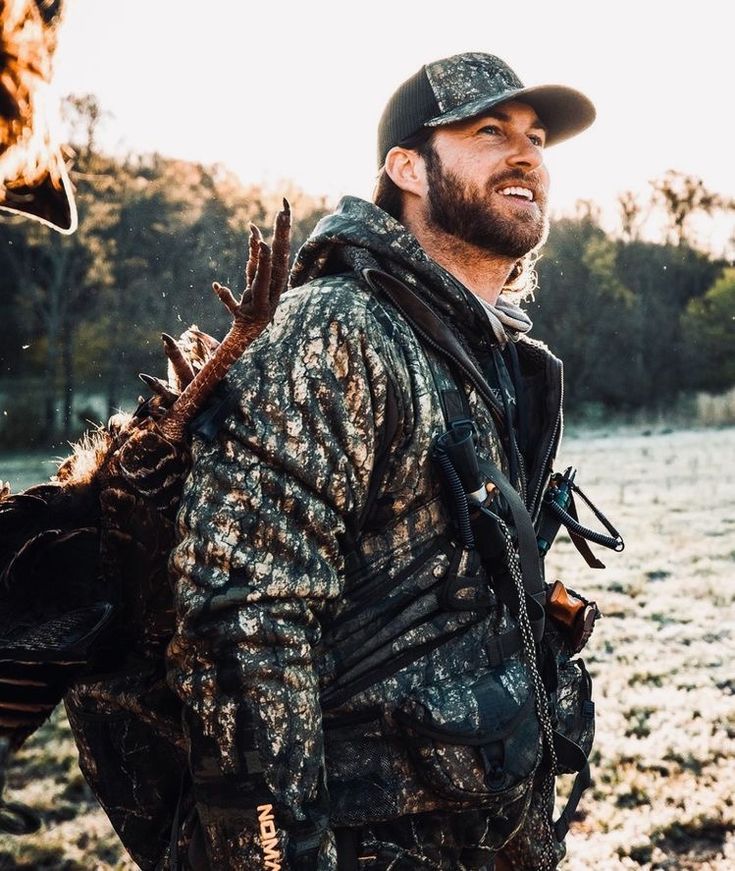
(636, 322)
(86, 312)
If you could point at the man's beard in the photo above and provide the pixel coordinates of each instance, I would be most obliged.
(465, 212)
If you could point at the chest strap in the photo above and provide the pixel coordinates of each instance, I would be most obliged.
(484, 531)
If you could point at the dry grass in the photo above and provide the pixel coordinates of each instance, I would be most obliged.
(76, 835)
(663, 658)
(715, 410)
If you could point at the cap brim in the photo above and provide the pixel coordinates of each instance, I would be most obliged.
(563, 111)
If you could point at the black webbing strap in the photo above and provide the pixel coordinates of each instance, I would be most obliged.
(347, 842)
(521, 398)
(432, 332)
(571, 756)
(503, 378)
(456, 410)
(455, 407)
(174, 863)
(526, 534)
(501, 647)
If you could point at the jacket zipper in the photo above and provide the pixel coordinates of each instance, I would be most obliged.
(522, 476)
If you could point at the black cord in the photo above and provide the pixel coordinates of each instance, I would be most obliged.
(613, 541)
(458, 497)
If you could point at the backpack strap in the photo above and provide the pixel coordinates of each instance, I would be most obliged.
(434, 333)
(436, 337)
(457, 414)
(573, 758)
(569, 755)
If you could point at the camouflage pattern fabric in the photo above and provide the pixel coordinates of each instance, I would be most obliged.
(463, 84)
(435, 841)
(127, 727)
(314, 546)
(535, 846)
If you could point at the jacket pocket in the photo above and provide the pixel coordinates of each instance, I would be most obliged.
(475, 741)
(360, 769)
(574, 708)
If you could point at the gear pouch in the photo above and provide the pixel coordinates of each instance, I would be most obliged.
(574, 709)
(475, 741)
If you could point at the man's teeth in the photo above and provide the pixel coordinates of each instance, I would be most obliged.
(517, 192)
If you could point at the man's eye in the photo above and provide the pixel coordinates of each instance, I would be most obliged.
(493, 129)
(536, 140)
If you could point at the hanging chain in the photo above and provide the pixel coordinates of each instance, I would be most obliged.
(547, 859)
(529, 648)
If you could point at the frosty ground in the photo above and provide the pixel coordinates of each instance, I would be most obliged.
(663, 659)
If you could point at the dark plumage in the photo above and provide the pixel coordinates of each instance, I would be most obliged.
(83, 558)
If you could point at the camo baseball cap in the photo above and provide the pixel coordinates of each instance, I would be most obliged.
(465, 85)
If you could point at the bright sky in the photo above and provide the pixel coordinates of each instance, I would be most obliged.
(294, 90)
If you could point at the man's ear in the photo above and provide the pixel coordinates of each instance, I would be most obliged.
(407, 170)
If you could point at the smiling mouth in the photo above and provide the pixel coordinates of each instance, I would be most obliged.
(517, 192)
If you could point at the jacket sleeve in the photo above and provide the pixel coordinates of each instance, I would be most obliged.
(257, 563)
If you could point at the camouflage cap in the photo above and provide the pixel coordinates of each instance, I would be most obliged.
(466, 85)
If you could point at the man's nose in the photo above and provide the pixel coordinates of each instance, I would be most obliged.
(524, 154)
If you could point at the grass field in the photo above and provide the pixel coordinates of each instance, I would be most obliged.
(663, 659)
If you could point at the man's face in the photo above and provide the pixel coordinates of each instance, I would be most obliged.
(487, 183)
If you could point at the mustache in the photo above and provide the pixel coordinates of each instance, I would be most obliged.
(530, 180)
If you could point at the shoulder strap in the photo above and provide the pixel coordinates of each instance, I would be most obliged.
(433, 333)
(456, 411)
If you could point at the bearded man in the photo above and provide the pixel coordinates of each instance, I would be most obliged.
(364, 670)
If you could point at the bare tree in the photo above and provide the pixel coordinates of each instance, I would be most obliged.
(587, 212)
(631, 216)
(51, 272)
(681, 196)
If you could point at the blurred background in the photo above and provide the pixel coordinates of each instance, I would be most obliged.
(186, 121)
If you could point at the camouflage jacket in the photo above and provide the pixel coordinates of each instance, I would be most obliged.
(316, 648)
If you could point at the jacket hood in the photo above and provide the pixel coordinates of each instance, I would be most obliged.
(359, 235)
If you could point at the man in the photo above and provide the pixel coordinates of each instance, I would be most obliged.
(360, 682)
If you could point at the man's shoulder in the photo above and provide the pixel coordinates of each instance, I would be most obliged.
(345, 300)
(344, 292)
